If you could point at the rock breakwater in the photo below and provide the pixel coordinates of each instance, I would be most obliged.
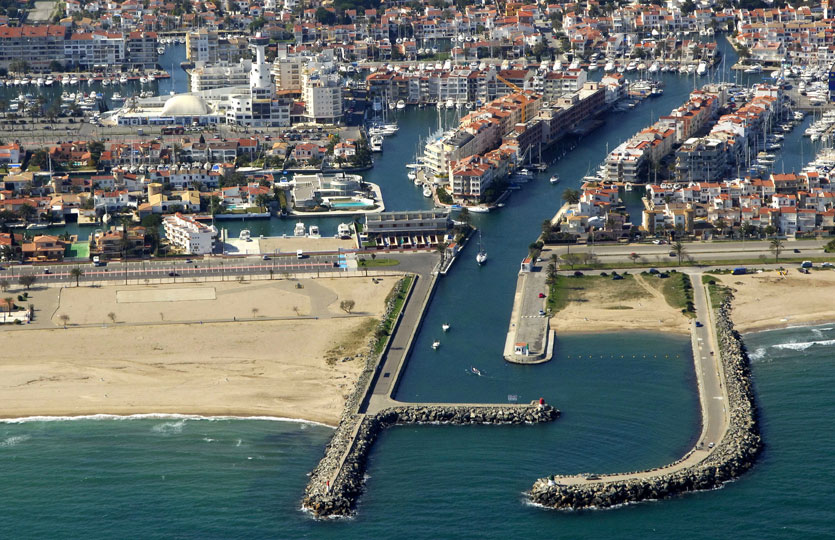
(337, 481)
(735, 453)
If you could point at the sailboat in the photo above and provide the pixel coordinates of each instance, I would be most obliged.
(481, 257)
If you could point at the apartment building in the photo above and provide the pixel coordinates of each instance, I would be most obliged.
(189, 235)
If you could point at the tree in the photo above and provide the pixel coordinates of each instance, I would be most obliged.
(64, 318)
(720, 224)
(546, 229)
(325, 17)
(441, 248)
(9, 303)
(27, 280)
(571, 196)
(570, 259)
(347, 306)
(4, 285)
(76, 273)
(678, 249)
(770, 230)
(551, 276)
(112, 317)
(26, 211)
(19, 66)
(634, 256)
(776, 246)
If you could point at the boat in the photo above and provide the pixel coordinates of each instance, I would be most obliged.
(343, 231)
(627, 186)
(245, 235)
(299, 229)
(481, 256)
(479, 209)
(427, 191)
(555, 179)
(377, 143)
(475, 371)
(401, 105)
(313, 232)
(702, 69)
(436, 344)
(36, 226)
(123, 79)
(411, 175)
(445, 327)
(756, 68)
(450, 103)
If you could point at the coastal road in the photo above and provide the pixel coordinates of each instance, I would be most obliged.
(712, 394)
(187, 269)
(696, 251)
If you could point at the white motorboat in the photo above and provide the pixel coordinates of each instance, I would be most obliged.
(445, 327)
(313, 232)
(401, 105)
(123, 79)
(245, 235)
(343, 231)
(702, 69)
(478, 209)
(32, 226)
(299, 229)
(411, 175)
(377, 143)
(436, 344)
(427, 191)
(555, 179)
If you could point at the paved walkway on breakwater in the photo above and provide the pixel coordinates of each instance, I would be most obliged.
(529, 325)
(337, 481)
(713, 396)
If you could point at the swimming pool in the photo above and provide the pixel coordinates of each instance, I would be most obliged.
(353, 204)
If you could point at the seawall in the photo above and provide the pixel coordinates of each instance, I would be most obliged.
(336, 483)
(735, 453)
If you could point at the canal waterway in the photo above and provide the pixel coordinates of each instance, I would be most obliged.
(629, 401)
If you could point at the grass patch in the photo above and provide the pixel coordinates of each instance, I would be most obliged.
(696, 263)
(351, 344)
(376, 262)
(718, 291)
(567, 289)
(677, 289)
(397, 297)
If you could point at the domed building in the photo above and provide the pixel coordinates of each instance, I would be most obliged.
(185, 105)
(255, 105)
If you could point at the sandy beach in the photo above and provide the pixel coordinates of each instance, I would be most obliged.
(767, 300)
(609, 307)
(227, 360)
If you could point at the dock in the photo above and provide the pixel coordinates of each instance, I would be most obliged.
(530, 339)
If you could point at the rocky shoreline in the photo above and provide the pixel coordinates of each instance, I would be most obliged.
(337, 481)
(735, 453)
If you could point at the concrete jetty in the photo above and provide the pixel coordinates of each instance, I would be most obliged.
(338, 480)
(530, 339)
(728, 446)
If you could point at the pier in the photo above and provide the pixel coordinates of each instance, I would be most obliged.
(530, 339)
(727, 446)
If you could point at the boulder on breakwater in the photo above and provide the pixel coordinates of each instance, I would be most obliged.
(337, 481)
(735, 453)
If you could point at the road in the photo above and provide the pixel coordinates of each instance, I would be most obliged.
(225, 267)
(696, 251)
(712, 394)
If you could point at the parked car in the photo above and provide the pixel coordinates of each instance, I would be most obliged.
(541, 295)
(699, 324)
(173, 274)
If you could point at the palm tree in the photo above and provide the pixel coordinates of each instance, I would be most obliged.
(64, 319)
(76, 273)
(571, 196)
(776, 246)
(678, 249)
(9, 303)
(4, 285)
(441, 248)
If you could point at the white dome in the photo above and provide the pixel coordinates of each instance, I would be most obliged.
(184, 105)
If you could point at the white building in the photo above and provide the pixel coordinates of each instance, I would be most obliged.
(205, 77)
(189, 235)
(260, 107)
(322, 95)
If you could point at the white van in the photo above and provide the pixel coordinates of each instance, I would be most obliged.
(300, 254)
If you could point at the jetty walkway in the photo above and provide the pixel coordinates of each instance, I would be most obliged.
(337, 481)
(727, 446)
(530, 339)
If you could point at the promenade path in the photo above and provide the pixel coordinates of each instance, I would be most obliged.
(712, 395)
